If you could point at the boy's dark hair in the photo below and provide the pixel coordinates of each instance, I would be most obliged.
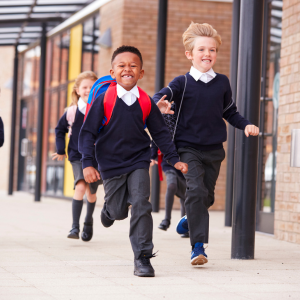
(123, 49)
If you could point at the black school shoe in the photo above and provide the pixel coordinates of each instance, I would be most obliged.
(143, 267)
(164, 225)
(87, 232)
(74, 233)
(106, 222)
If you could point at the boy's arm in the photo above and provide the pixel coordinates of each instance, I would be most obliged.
(89, 131)
(161, 135)
(230, 112)
(172, 91)
(60, 134)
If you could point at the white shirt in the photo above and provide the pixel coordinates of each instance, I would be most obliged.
(204, 77)
(81, 106)
(129, 97)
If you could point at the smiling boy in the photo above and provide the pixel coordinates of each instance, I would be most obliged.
(122, 149)
(201, 129)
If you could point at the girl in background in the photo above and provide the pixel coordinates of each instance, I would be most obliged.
(71, 122)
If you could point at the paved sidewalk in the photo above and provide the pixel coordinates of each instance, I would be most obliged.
(38, 262)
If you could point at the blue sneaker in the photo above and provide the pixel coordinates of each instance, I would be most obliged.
(182, 226)
(198, 255)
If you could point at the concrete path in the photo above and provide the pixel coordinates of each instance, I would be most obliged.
(38, 262)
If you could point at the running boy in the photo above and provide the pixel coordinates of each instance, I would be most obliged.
(122, 149)
(201, 129)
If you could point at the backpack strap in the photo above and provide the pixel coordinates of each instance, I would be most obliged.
(71, 113)
(110, 99)
(145, 104)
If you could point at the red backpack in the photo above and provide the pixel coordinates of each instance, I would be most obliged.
(110, 99)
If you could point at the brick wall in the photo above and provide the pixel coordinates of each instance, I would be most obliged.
(134, 22)
(287, 201)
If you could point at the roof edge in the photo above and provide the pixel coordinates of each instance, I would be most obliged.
(77, 17)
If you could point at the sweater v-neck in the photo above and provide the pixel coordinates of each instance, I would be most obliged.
(203, 83)
(128, 107)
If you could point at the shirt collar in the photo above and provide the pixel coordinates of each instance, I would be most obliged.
(81, 106)
(196, 74)
(121, 91)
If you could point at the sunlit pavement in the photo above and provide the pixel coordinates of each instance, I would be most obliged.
(37, 261)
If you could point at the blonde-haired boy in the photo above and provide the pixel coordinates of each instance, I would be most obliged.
(206, 99)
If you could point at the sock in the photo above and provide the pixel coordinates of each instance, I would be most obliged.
(89, 212)
(198, 245)
(76, 211)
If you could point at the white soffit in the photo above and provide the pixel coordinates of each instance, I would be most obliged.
(93, 7)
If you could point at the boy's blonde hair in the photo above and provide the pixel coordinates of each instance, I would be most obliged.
(195, 30)
(84, 75)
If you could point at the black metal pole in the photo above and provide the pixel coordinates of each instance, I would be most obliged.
(246, 150)
(13, 124)
(39, 143)
(235, 29)
(159, 84)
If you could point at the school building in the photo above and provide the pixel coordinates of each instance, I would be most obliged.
(84, 39)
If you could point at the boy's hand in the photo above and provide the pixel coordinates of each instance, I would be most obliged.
(153, 162)
(251, 130)
(91, 174)
(58, 156)
(183, 167)
(164, 106)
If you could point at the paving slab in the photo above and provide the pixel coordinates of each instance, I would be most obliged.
(38, 262)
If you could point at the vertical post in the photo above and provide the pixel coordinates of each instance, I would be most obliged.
(159, 84)
(246, 150)
(13, 124)
(235, 29)
(39, 143)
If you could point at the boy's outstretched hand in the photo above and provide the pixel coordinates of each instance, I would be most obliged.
(251, 130)
(91, 174)
(183, 167)
(58, 156)
(164, 106)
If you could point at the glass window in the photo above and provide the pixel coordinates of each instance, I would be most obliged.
(269, 108)
(65, 44)
(56, 53)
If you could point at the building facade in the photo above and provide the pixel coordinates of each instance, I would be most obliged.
(74, 47)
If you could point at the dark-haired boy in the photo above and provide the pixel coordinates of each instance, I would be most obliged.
(123, 154)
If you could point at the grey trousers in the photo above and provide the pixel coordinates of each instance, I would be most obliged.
(201, 178)
(175, 186)
(131, 189)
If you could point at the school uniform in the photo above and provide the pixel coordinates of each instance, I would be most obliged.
(200, 134)
(74, 155)
(122, 150)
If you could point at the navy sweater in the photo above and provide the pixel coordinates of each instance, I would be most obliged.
(123, 145)
(201, 125)
(1, 133)
(60, 133)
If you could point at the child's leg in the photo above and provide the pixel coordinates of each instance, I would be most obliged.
(115, 200)
(77, 202)
(182, 208)
(197, 194)
(171, 191)
(141, 223)
(91, 201)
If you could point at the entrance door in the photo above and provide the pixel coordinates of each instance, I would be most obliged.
(269, 116)
(27, 145)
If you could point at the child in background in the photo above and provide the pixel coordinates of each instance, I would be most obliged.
(176, 185)
(122, 149)
(201, 130)
(72, 121)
